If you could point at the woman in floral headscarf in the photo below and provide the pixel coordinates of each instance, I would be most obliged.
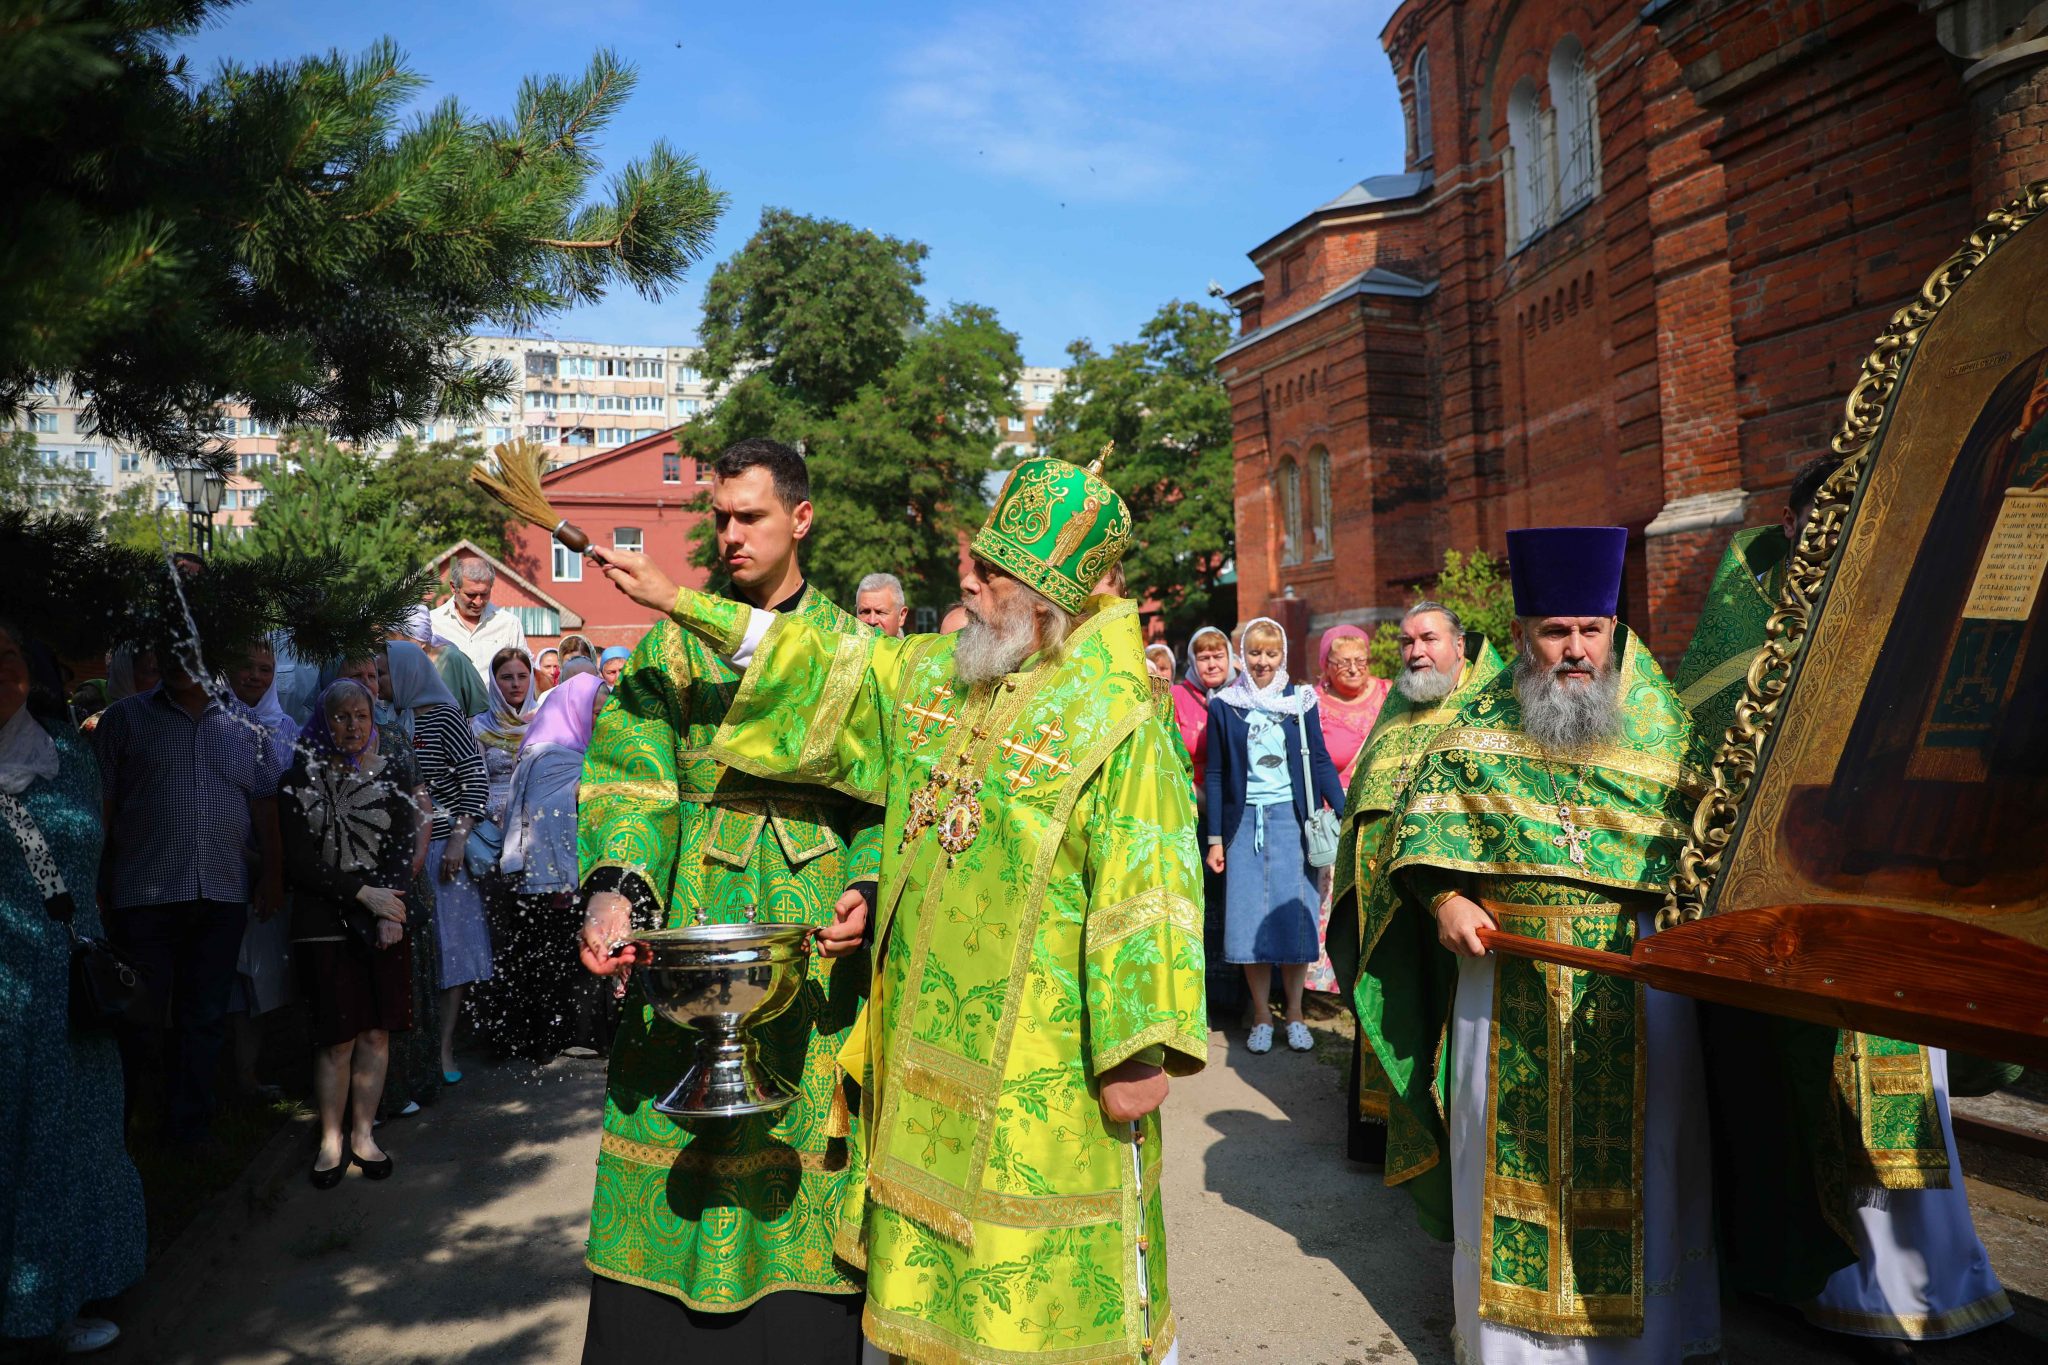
(347, 810)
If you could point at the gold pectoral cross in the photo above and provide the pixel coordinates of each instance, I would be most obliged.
(1570, 837)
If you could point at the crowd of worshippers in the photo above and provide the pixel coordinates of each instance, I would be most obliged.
(391, 842)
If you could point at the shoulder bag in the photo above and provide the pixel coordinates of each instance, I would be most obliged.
(1321, 829)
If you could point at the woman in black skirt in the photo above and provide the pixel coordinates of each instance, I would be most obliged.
(347, 814)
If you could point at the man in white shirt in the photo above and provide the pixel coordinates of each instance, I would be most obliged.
(468, 619)
(878, 602)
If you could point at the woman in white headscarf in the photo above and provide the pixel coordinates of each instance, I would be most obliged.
(452, 766)
(1268, 771)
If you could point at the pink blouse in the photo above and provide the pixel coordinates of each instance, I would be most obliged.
(1347, 723)
(1191, 710)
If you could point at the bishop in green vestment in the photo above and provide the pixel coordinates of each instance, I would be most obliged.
(728, 1217)
(1548, 1121)
(1441, 667)
(1037, 939)
(1809, 1120)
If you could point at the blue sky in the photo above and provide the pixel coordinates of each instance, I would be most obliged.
(1073, 166)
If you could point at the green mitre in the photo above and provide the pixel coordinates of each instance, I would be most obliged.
(1058, 528)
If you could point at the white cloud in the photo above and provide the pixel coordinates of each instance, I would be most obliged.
(1107, 101)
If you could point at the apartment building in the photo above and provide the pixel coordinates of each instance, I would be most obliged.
(1035, 386)
(576, 397)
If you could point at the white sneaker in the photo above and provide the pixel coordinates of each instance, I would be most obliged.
(1299, 1038)
(85, 1335)
(1261, 1039)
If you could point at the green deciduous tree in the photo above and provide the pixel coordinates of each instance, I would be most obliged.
(295, 235)
(428, 486)
(1474, 585)
(819, 335)
(1160, 400)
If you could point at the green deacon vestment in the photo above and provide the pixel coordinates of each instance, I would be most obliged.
(1562, 1242)
(718, 1212)
(1378, 782)
(1804, 1113)
(1040, 923)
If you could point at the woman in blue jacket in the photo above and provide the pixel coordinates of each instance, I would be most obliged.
(1259, 794)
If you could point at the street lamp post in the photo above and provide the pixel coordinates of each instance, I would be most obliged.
(201, 490)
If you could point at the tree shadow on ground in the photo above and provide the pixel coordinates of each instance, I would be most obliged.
(480, 1229)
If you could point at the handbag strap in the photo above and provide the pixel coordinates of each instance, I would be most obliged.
(1308, 781)
(42, 865)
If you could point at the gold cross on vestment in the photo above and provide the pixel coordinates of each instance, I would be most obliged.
(1032, 755)
(1570, 838)
(925, 718)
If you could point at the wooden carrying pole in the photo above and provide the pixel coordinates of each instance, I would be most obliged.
(1922, 978)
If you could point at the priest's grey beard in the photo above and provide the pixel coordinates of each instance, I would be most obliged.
(1426, 685)
(989, 649)
(1565, 719)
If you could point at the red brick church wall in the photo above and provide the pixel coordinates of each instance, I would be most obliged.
(1774, 179)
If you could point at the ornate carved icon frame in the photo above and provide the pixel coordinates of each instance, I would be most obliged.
(1727, 864)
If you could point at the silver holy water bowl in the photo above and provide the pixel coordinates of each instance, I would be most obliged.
(718, 981)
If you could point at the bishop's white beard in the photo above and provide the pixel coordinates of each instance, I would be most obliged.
(1427, 685)
(1564, 718)
(987, 650)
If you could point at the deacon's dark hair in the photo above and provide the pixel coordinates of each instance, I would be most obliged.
(1806, 483)
(791, 474)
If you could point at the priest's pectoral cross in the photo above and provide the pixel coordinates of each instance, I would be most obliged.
(1570, 837)
(1039, 751)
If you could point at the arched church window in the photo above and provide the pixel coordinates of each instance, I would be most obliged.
(1321, 504)
(1530, 179)
(1287, 492)
(1424, 144)
(1577, 108)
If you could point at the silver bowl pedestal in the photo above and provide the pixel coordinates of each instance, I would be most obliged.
(718, 981)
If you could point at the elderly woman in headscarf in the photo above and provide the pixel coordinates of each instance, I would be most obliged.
(536, 955)
(71, 1203)
(612, 663)
(1211, 667)
(348, 814)
(547, 670)
(1348, 698)
(414, 1077)
(465, 687)
(1268, 770)
(452, 767)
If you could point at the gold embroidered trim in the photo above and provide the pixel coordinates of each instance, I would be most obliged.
(787, 828)
(1664, 772)
(698, 614)
(1167, 1032)
(1732, 669)
(631, 789)
(901, 1334)
(835, 700)
(1585, 817)
(717, 1163)
(1993, 1307)
(1047, 1211)
(935, 1075)
(837, 1284)
(1549, 871)
(927, 1211)
(1582, 910)
(1120, 921)
(741, 823)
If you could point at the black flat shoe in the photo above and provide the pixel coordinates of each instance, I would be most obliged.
(327, 1179)
(372, 1170)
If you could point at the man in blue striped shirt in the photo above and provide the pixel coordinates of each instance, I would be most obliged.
(186, 782)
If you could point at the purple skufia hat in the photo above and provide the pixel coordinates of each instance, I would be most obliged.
(1567, 570)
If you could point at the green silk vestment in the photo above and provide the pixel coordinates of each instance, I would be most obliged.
(1379, 780)
(1562, 1240)
(718, 1212)
(1822, 1111)
(1041, 927)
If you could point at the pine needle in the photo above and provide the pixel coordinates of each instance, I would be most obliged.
(515, 482)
